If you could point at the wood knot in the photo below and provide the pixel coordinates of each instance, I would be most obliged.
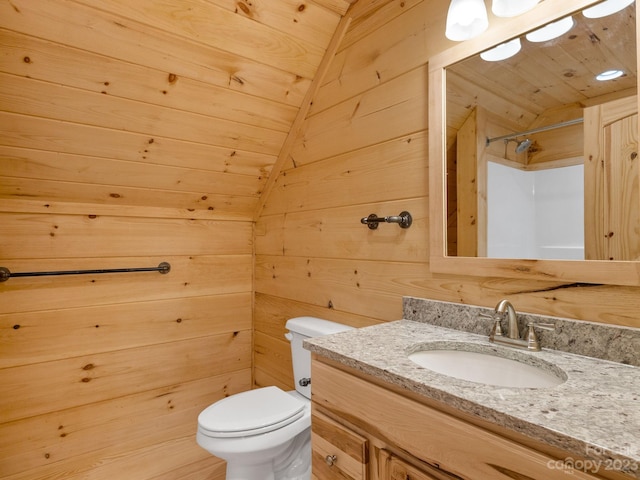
(173, 78)
(237, 79)
(245, 9)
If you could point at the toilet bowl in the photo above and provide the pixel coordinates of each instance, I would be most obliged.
(274, 446)
(265, 434)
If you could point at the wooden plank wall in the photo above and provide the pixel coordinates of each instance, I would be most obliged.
(134, 133)
(363, 149)
(111, 159)
(105, 374)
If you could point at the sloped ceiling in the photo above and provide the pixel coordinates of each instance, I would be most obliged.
(177, 104)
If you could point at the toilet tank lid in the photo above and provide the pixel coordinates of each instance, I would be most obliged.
(315, 327)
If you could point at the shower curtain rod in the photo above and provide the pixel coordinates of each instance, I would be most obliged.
(567, 123)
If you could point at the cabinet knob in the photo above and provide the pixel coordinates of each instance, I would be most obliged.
(331, 459)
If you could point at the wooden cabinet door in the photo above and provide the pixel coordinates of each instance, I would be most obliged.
(391, 467)
(337, 452)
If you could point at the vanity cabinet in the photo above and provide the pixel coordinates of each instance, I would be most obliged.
(337, 451)
(381, 432)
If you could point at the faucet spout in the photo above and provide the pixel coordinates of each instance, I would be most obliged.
(504, 306)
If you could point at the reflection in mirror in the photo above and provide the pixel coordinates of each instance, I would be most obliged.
(541, 155)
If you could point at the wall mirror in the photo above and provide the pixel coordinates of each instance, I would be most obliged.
(533, 169)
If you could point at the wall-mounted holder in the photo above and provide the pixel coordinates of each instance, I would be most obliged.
(404, 220)
(5, 273)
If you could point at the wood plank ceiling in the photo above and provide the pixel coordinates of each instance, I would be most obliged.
(181, 104)
(550, 81)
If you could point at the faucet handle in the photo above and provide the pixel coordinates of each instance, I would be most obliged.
(532, 339)
(496, 329)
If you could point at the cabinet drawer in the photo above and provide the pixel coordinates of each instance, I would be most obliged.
(391, 467)
(337, 452)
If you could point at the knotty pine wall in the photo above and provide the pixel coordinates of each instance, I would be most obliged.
(363, 149)
(134, 133)
(106, 374)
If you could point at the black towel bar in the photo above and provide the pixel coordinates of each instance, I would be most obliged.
(5, 273)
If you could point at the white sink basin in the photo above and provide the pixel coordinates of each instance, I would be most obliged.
(486, 368)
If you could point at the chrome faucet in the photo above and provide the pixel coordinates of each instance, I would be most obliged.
(513, 334)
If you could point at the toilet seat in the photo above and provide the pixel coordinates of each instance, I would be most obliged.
(250, 413)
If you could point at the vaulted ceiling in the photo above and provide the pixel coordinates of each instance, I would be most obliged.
(180, 104)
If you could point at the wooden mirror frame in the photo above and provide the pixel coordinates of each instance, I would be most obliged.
(565, 271)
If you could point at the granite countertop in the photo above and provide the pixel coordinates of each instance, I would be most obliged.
(594, 414)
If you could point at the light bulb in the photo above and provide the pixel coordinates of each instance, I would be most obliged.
(512, 8)
(466, 19)
(502, 51)
(551, 30)
(605, 8)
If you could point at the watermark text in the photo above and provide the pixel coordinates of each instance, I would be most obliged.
(570, 465)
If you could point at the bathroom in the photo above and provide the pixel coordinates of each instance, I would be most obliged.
(135, 133)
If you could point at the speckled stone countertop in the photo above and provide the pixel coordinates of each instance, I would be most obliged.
(594, 414)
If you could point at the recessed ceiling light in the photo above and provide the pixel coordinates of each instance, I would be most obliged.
(605, 8)
(502, 51)
(609, 75)
(551, 30)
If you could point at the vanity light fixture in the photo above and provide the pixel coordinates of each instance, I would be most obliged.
(609, 75)
(608, 7)
(466, 19)
(551, 30)
(502, 51)
(512, 8)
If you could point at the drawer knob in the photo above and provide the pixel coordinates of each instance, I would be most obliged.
(331, 459)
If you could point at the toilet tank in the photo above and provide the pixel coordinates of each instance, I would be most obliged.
(299, 329)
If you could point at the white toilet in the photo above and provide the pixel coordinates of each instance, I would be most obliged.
(265, 434)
